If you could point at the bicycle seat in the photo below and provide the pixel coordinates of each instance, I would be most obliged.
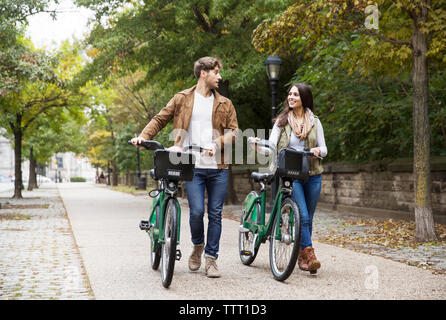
(258, 177)
(152, 174)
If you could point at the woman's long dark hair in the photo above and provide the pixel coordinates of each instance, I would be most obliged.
(305, 96)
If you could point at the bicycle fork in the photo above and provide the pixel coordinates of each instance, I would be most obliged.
(248, 252)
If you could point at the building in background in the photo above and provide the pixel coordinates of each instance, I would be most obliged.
(6, 156)
(65, 165)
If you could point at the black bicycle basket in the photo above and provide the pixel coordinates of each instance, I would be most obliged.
(293, 164)
(174, 165)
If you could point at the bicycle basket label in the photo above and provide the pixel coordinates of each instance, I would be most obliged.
(173, 173)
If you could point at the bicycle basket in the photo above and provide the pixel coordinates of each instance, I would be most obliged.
(293, 164)
(174, 165)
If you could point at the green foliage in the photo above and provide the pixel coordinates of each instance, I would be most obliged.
(367, 117)
(361, 76)
(61, 134)
(162, 39)
(13, 16)
(327, 19)
(78, 179)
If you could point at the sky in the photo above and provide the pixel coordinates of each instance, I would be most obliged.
(49, 33)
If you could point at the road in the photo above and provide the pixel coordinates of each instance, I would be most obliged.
(115, 254)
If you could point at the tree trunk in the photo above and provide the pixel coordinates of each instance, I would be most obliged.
(114, 173)
(425, 230)
(32, 171)
(37, 166)
(18, 159)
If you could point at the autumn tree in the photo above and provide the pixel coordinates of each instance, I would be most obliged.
(41, 90)
(161, 39)
(47, 136)
(409, 34)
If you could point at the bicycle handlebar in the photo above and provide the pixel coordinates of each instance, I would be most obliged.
(266, 144)
(149, 144)
(155, 145)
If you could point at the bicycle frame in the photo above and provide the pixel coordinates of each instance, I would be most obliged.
(262, 230)
(161, 201)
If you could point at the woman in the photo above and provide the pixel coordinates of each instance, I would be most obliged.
(297, 127)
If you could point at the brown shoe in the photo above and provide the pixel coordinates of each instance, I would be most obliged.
(301, 260)
(312, 263)
(211, 267)
(195, 257)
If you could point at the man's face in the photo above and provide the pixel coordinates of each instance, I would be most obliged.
(212, 77)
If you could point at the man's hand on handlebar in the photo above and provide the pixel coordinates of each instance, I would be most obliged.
(209, 150)
(136, 141)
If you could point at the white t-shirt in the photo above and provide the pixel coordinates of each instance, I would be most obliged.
(200, 129)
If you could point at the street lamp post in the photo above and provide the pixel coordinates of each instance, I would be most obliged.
(138, 170)
(273, 65)
(141, 183)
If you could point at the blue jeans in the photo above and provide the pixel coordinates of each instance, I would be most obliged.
(215, 181)
(306, 194)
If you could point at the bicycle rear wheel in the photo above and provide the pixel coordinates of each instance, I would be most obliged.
(169, 245)
(285, 240)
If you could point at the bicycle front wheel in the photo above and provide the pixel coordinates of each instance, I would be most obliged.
(169, 246)
(285, 240)
(155, 248)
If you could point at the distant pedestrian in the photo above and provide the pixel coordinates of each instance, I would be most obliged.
(101, 178)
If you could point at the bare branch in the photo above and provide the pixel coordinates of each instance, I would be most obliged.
(384, 38)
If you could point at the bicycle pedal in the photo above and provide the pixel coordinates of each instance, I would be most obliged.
(145, 225)
(246, 253)
(242, 229)
(178, 255)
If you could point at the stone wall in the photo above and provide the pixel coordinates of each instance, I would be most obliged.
(382, 188)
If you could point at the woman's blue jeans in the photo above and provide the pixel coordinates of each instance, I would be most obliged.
(215, 182)
(306, 193)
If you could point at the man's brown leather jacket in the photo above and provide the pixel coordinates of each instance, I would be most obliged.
(224, 121)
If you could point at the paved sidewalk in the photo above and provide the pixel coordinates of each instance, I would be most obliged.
(362, 234)
(39, 258)
(116, 257)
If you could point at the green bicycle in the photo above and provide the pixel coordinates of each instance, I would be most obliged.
(283, 227)
(163, 225)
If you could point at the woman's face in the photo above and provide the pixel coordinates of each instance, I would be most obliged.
(294, 98)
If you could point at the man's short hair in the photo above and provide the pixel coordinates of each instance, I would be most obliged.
(206, 64)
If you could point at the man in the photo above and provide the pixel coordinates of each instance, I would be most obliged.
(202, 117)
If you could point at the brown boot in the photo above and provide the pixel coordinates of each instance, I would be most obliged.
(312, 263)
(301, 260)
(195, 257)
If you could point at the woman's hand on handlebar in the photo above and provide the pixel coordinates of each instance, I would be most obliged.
(316, 151)
(252, 142)
(175, 149)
